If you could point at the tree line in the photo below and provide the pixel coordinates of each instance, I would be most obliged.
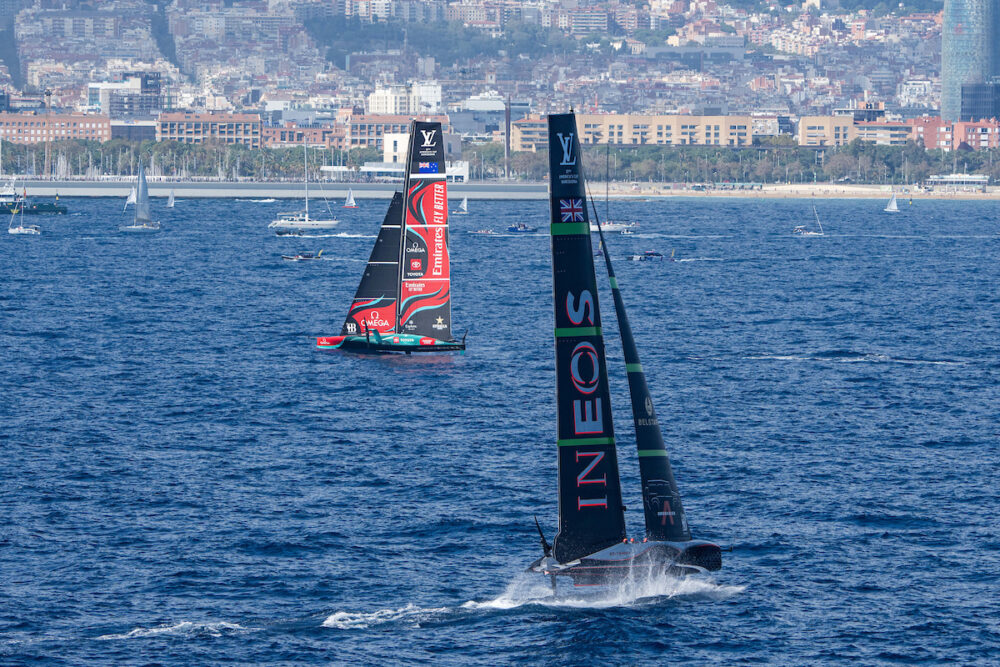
(778, 161)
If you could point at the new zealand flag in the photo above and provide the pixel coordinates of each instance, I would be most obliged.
(428, 167)
(571, 210)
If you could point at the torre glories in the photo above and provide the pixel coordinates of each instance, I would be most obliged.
(970, 50)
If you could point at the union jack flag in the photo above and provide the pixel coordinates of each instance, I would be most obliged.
(571, 209)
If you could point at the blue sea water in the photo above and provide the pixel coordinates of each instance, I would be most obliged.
(185, 480)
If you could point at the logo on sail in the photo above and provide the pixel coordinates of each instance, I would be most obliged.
(439, 324)
(567, 149)
(428, 137)
(416, 248)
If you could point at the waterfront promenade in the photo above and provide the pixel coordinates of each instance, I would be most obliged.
(478, 190)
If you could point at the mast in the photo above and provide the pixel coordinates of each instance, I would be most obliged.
(305, 164)
(661, 500)
(425, 270)
(374, 304)
(590, 501)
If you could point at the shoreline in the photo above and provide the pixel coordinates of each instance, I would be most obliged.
(478, 190)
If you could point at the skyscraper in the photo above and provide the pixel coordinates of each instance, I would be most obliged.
(970, 49)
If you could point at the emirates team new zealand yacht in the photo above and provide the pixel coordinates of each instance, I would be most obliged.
(591, 546)
(403, 303)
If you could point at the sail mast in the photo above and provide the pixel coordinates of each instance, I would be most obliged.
(661, 499)
(305, 164)
(590, 503)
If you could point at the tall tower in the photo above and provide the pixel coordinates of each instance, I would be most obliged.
(970, 49)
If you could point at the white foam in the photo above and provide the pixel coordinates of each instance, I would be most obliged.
(184, 628)
(532, 589)
(699, 259)
(347, 620)
(269, 200)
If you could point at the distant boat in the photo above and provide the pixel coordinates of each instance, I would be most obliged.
(463, 208)
(482, 232)
(11, 200)
(20, 227)
(620, 227)
(170, 199)
(892, 207)
(142, 222)
(301, 219)
(521, 228)
(592, 546)
(403, 303)
(350, 203)
(303, 256)
(648, 256)
(802, 231)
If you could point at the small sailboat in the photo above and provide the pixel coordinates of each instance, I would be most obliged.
(463, 208)
(350, 203)
(592, 546)
(20, 228)
(648, 256)
(403, 303)
(802, 231)
(619, 227)
(142, 222)
(301, 219)
(170, 199)
(892, 206)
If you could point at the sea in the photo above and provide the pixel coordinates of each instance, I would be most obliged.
(186, 480)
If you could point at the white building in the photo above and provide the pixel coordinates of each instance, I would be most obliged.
(422, 97)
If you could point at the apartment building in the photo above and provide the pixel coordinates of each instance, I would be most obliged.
(369, 129)
(293, 134)
(884, 132)
(529, 134)
(38, 127)
(825, 130)
(200, 128)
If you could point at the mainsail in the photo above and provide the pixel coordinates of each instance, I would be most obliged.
(142, 199)
(661, 501)
(425, 289)
(590, 503)
(374, 305)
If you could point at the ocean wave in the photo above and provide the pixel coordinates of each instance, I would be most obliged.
(269, 200)
(182, 629)
(347, 620)
(850, 357)
(699, 259)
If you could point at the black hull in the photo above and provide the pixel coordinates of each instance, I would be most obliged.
(32, 209)
(636, 561)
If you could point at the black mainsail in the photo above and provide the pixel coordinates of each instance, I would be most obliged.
(590, 501)
(374, 305)
(661, 500)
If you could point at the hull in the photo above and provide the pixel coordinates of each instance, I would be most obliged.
(303, 224)
(58, 209)
(630, 560)
(140, 229)
(389, 344)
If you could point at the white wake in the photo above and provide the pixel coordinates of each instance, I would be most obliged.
(183, 629)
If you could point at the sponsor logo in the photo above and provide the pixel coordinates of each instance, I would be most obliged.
(571, 210)
(649, 407)
(567, 149)
(415, 264)
(375, 320)
(439, 324)
(427, 167)
(429, 137)
(584, 385)
(416, 248)
(351, 327)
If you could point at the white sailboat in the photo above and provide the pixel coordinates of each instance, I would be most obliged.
(892, 207)
(20, 228)
(802, 231)
(301, 219)
(142, 222)
(170, 199)
(463, 208)
(350, 203)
